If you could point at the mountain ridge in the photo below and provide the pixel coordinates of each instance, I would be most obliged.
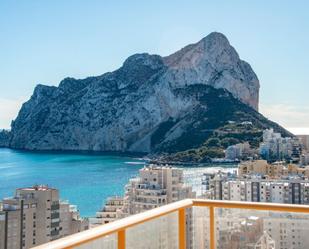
(125, 110)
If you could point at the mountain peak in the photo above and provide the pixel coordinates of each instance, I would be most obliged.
(214, 46)
(213, 61)
(216, 37)
(143, 59)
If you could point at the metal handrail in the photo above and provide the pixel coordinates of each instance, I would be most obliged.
(120, 226)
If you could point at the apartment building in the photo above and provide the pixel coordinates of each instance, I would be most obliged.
(288, 233)
(274, 170)
(275, 147)
(2, 229)
(293, 190)
(239, 151)
(304, 159)
(33, 217)
(260, 231)
(155, 186)
(70, 220)
(305, 141)
(109, 212)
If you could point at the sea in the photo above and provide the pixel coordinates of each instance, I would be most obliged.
(83, 179)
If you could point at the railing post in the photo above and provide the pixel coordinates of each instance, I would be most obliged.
(212, 227)
(182, 228)
(122, 239)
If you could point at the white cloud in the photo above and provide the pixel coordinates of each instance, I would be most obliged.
(299, 130)
(293, 118)
(8, 111)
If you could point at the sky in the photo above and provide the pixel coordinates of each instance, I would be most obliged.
(46, 41)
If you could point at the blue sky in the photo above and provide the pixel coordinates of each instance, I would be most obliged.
(45, 41)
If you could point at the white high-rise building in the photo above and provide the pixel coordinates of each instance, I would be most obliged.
(274, 147)
(155, 186)
(109, 212)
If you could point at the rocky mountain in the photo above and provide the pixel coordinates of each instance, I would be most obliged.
(151, 104)
(5, 137)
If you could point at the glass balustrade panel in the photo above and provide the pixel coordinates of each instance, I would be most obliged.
(106, 242)
(160, 233)
(240, 228)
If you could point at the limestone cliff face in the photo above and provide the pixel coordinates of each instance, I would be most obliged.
(123, 110)
(213, 61)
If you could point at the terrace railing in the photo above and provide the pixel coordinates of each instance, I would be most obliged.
(197, 223)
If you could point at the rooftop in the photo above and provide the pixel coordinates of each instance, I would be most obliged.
(37, 188)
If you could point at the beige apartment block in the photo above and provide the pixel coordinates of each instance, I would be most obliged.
(155, 186)
(274, 170)
(288, 233)
(2, 229)
(109, 212)
(33, 217)
(305, 141)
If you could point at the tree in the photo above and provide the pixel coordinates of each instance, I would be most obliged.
(213, 142)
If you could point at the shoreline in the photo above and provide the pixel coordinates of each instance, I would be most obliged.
(152, 159)
(79, 152)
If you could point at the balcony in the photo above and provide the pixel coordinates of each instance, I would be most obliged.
(200, 224)
(55, 207)
(54, 215)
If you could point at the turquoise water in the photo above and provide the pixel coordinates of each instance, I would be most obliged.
(86, 180)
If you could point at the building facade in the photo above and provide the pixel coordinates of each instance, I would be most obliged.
(275, 147)
(239, 151)
(275, 170)
(33, 217)
(155, 186)
(110, 212)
